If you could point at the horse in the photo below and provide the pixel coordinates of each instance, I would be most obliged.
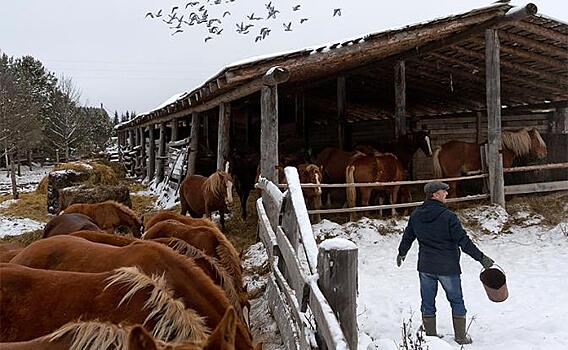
(454, 158)
(403, 148)
(376, 168)
(121, 295)
(333, 161)
(109, 215)
(202, 195)
(171, 215)
(211, 241)
(77, 254)
(311, 173)
(67, 223)
(243, 169)
(96, 335)
(9, 250)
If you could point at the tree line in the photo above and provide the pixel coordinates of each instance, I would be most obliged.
(41, 116)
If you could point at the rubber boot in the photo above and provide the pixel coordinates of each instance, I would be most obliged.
(459, 331)
(429, 323)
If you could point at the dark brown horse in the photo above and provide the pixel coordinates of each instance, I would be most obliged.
(67, 223)
(203, 195)
(122, 295)
(77, 254)
(376, 168)
(109, 216)
(455, 158)
(243, 169)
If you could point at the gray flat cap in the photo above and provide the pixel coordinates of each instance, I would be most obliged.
(434, 186)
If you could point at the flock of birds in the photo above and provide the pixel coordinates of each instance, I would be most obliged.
(197, 13)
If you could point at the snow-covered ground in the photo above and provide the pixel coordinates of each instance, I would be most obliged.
(27, 182)
(10, 226)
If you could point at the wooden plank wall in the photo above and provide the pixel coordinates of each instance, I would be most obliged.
(463, 128)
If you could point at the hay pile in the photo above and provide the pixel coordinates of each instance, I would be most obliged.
(99, 174)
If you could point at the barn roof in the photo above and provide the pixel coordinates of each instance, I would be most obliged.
(445, 66)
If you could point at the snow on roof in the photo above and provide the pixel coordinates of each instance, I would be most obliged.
(167, 102)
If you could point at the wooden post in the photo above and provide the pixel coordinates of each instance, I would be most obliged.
(305, 131)
(478, 128)
(119, 145)
(269, 131)
(193, 144)
(560, 123)
(151, 153)
(142, 162)
(341, 111)
(131, 151)
(400, 99)
(161, 153)
(337, 270)
(175, 130)
(223, 137)
(493, 97)
(206, 131)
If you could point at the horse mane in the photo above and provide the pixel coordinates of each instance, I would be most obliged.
(92, 335)
(536, 134)
(126, 210)
(518, 142)
(186, 249)
(174, 321)
(215, 184)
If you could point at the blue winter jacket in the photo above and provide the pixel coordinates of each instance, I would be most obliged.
(440, 235)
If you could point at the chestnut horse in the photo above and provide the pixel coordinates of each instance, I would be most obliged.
(121, 295)
(77, 254)
(67, 223)
(376, 168)
(455, 158)
(109, 215)
(95, 335)
(171, 215)
(203, 195)
(9, 250)
(211, 241)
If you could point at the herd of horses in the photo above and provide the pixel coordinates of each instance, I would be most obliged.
(174, 283)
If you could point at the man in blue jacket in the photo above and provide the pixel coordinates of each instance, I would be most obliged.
(440, 236)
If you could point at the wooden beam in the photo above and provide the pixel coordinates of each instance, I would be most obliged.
(542, 31)
(341, 111)
(150, 170)
(194, 143)
(142, 163)
(493, 92)
(533, 44)
(161, 153)
(399, 99)
(537, 187)
(175, 129)
(223, 135)
(534, 57)
(479, 133)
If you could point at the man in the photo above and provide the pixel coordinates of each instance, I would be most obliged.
(440, 236)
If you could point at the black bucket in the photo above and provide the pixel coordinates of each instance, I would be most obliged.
(495, 283)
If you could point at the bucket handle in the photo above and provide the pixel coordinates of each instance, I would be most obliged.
(496, 266)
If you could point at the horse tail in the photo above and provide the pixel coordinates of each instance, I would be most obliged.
(351, 191)
(436, 162)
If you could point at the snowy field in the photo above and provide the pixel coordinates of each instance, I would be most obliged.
(532, 256)
(27, 182)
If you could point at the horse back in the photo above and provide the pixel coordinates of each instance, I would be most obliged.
(67, 223)
(103, 238)
(334, 162)
(171, 215)
(457, 157)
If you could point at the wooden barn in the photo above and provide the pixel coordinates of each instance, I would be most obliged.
(464, 77)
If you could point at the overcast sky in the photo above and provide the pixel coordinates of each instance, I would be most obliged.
(127, 61)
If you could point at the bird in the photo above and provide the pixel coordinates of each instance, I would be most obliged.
(252, 18)
(208, 38)
(226, 13)
(336, 12)
(178, 31)
(149, 14)
(258, 37)
(302, 20)
(272, 13)
(219, 31)
(213, 20)
(287, 27)
(159, 14)
(173, 9)
(296, 8)
(217, 2)
(202, 8)
(213, 30)
(193, 3)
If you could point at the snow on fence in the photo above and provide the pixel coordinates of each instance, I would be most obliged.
(306, 280)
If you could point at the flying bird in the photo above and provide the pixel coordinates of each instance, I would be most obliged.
(272, 13)
(177, 31)
(252, 18)
(193, 3)
(173, 9)
(336, 12)
(287, 27)
(149, 14)
(302, 20)
(259, 37)
(296, 8)
(227, 13)
(208, 38)
(219, 31)
(159, 14)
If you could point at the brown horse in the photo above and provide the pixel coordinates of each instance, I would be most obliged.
(211, 241)
(171, 215)
(77, 254)
(313, 174)
(95, 335)
(377, 168)
(67, 223)
(9, 250)
(203, 195)
(109, 216)
(455, 158)
(122, 295)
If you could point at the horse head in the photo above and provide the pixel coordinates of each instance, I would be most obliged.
(311, 173)
(421, 139)
(538, 146)
(228, 186)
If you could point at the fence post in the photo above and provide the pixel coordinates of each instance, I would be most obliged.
(337, 270)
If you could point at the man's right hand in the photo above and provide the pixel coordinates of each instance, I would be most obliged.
(486, 262)
(400, 259)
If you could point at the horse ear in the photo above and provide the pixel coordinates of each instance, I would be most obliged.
(139, 339)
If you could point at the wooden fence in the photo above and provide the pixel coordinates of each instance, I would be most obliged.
(306, 281)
